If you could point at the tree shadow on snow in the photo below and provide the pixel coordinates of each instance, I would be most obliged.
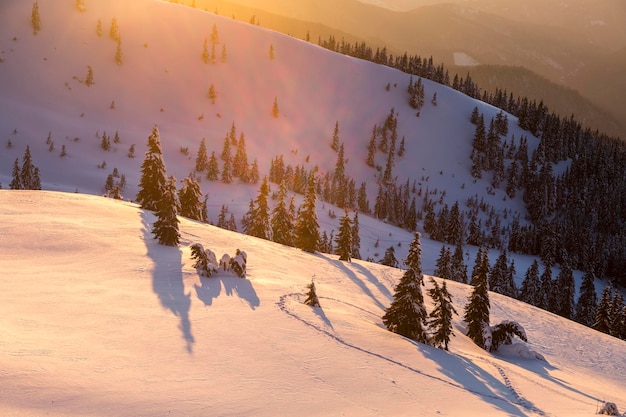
(359, 282)
(210, 288)
(543, 369)
(167, 279)
(472, 378)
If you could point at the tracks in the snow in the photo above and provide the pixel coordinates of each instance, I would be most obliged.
(518, 399)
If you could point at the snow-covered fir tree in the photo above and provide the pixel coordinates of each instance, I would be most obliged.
(564, 290)
(27, 177)
(477, 310)
(202, 160)
(389, 258)
(443, 263)
(440, 319)
(307, 229)
(458, 269)
(407, 314)
(153, 175)
(587, 301)
(344, 238)
(190, 197)
(615, 313)
(165, 229)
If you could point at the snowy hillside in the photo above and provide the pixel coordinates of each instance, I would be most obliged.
(100, 320)
(163, 81)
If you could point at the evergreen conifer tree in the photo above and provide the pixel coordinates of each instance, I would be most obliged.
(565, 290)
(16, 180)
(165, 229)
(259, 221)
(602, 322)
(190, 197)
(202, 161)
(477, 310)
(587, 301)
(282, 220)
(440, 321)
(344, 238)
(531, 286)
(443, 267)
(615, 312)
(311, 296)
(389, 258)
(407, 314)
(356, 239)
(153, 174)
(36, 18)
(213, 169)
(546, 287)
(307, 234)
(458, 269)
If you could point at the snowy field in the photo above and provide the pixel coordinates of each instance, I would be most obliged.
(100, 320)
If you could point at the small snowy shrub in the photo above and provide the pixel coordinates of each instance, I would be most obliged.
(311, 297)
(207, 265)
(609, 409)
(503, 334)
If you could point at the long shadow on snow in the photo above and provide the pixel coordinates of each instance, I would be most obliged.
(543, 368)
(210, 288)
(167, 278)
(353, 277)
(474, 379)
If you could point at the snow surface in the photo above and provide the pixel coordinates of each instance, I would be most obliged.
(98, 319)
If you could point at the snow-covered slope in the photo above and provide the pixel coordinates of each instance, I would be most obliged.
(100, 320)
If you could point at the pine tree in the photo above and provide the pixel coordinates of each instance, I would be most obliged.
(29, 174)
(36, 18)
(389, 259)
(119, 55)
(282, 220)
(458, 270)
(602, 321)
(356, 239)
(213, 168)
(275, 110)
(240, 162)
(407, 314)
(443, 263)
(165, 229)
(335, 141)
(587, 301)
(16, 180)
(531, 286)
(615, 312)
(546, 288)
(344, 238)
(153, 175)
(259, 221)
(114, 31)
(440, 321)
(212, 93)
(311, 296)
(190, 197)
(477, 310)
(89, 79)
(307, 234)
(202, 162)
(500, 280)
(565, 288)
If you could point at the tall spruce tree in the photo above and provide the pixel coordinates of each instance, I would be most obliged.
(587, 301)
(477, 310)
(153, 175)
(546, 287)
(344, 238)
(259, 225)
(202, 160)
(565, 289)
(458, 269)
(165, 229)
(440, 321)
(531, 286)
(615, 313)
(282, 219)
(356, 239)
(307, 233)
(190, 197)
(443, 264)
(602, 322)
(407, 314)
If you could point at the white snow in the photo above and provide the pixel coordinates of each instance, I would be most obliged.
(464, 60)
(98, 319)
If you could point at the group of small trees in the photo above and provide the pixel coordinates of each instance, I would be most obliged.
(207, 265)
(158, 193)
(27, 177)
(407, 314)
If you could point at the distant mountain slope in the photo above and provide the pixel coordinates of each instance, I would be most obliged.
(100, 320)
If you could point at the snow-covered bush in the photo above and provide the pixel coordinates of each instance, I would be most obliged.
(609, 409)
(503, 334)
(207, 265)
